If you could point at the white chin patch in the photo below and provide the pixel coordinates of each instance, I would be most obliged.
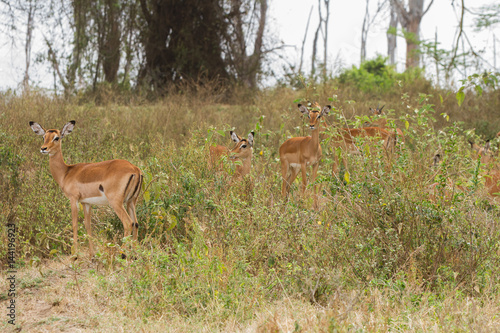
(44, 152)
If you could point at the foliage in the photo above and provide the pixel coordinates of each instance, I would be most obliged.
(375, 76)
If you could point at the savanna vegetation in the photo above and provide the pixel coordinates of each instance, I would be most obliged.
(213, 254)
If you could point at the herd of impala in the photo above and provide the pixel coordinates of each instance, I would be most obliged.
(118, 182)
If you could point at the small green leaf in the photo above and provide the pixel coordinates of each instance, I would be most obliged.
(460, 97)
(479, 90)
(221, 132)
(407, 124)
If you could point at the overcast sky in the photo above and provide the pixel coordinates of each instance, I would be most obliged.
(288, 20)
(346, 19)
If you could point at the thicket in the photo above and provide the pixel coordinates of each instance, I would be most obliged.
(206, 243)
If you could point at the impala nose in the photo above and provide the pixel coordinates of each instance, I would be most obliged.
(43, 150)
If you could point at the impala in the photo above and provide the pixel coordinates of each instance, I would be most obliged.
(346, 140)
(382, 122)
(114, 182)
(296, 154)
(242, 151)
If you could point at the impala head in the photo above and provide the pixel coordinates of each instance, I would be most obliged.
(314, 115)
(243, 148)
(52, 138)
(377, 111)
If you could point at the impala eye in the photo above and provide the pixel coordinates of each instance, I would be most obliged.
(243, 146)
(56, 139)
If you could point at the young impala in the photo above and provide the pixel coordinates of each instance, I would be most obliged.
(296, 154)
(242, 151)
(382, 122)
(114, 182)
(345, 139)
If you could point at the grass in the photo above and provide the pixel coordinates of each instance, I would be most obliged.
(378, 255)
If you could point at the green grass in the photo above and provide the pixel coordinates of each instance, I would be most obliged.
(215, 255)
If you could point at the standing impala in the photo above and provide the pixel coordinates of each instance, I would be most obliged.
(296, 154)
(243, 152)
(114, 182)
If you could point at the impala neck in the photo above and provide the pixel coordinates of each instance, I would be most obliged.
(315, 135)
(245, 166)
(58, 168)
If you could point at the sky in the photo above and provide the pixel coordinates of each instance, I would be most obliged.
(287, 23)
(346, 19)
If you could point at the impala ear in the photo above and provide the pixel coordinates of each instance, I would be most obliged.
(303, 109)
(380, 110)
(250, 138)
(68, 128)
(326, 109)
(235, 137)
(37, 128)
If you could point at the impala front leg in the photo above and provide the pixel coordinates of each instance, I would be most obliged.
(313, 179)
(87, 212)
(74, 222)
(304, 177)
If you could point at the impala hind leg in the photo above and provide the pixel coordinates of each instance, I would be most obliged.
(87, 213)
(133, 216)
(123, 216)
(294, 171)
(285, 169)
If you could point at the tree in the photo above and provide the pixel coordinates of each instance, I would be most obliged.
(242, 14)
(391, 36)
(410, 17)
(367, 22)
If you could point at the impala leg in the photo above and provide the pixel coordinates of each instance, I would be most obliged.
(123, 216)
(291, 177)
(133, 216)
(87, 212)
(313, 179)
(304, 177)
(74, 222)
(284, 172)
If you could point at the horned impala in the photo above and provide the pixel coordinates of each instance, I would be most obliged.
(345, 139)
(242, 151)
(114, 182)
(296, 154)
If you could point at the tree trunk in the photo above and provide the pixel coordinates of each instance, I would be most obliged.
(364, 32)
(112, 41)
(410, 20)
(391, 36)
